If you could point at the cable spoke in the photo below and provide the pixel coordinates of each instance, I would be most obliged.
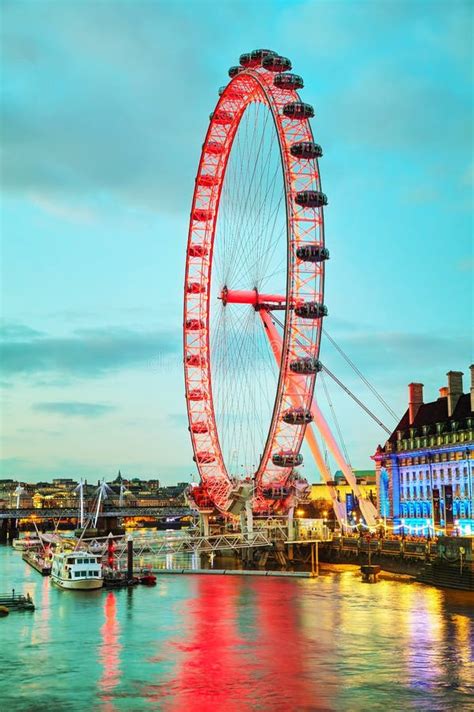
(249, 251)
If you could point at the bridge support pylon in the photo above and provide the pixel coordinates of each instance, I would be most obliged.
(4, 531)
(291, 523)
(204, 523)
(246, 518)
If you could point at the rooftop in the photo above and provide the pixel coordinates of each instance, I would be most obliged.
(436, 412)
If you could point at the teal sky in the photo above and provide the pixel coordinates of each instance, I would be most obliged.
(105, 106)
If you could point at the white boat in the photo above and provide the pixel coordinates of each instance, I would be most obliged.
(77, 570)
(25, 543)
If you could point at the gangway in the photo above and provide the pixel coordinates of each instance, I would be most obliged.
(158, 545)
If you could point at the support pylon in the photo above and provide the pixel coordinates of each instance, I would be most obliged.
(204, 523)
(367, 508)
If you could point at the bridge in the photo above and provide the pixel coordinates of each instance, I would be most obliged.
(72, 513)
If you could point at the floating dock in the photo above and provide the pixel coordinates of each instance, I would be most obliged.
(237, 572)
(16, 601)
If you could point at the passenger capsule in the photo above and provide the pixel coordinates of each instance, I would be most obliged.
(259, 55)
(287, 458)
(201, 215)
(233, 71)
(298, 110)
(214, 148)
(194, 325)
(207, 180)
(311, 199)
(221, 90)
(275, 492)
(197, 250)
(196, 394)
(297, 416)
(199, 427)
(312, 253)
(276, 64)
(311, 310)
(194, 360)
(306, 149)
(221, 117)
(306, 366)
(204, 458)
(195, 288)
(245, 59)
(288, 81)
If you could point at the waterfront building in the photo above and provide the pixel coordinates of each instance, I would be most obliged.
(424, 470)
(320, 498)
(64, 483)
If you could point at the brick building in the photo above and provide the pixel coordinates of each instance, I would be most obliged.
(424, 471)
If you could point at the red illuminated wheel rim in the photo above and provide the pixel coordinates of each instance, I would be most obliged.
(254, 268)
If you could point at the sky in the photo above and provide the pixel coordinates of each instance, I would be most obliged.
(104, 109)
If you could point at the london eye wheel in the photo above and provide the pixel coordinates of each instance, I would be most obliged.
(254, 287)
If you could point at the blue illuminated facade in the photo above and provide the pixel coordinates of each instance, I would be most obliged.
(424, 471)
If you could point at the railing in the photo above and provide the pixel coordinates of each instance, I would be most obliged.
(391, 547)
(13, 597)
(156, 544)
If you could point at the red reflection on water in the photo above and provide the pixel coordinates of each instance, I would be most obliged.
(211, 672)
(282, 677)
(109, 653)
(243, 650)
(213, 675)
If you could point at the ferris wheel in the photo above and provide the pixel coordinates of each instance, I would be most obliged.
(254, 287)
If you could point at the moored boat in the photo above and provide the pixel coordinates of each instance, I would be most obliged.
(25, 543)
(77, 570)
(38, 562)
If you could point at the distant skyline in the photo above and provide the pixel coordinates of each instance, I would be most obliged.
(104, 110)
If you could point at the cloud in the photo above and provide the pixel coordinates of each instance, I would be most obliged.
(74, 409)
(70, 211)
(385, 110)
(104, 123)
(18, 332)
(179, 420)
(395, 356)
(84, 353)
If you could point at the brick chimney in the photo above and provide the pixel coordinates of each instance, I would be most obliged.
(454, 390)
(443, 392)
(415, 400)
(471, 368)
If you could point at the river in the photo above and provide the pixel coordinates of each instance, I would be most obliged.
(236, 643)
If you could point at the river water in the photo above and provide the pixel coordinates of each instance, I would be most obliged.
(236, 643)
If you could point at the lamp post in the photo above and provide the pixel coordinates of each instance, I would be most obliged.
(469, 483)
(429, 459)
(19, 491)
(80, 490)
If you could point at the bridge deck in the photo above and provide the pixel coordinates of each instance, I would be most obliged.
(63, 513)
